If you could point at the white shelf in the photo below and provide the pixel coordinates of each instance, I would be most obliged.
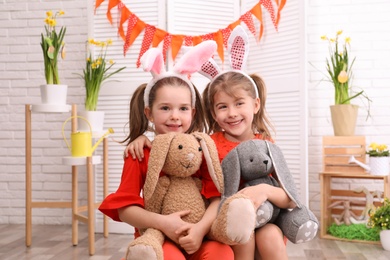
(76, 161)
(49, 108)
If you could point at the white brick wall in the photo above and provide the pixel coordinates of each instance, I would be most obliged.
(367, 23)
(21, 67)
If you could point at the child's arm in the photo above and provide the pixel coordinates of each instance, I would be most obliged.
(262, 192)
(139, 217)
(195, 233)
(136, 147)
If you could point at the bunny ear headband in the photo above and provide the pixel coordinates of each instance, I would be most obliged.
(153, 62)
(238, 50)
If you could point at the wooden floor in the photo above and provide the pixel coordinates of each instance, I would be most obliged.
(54, 242)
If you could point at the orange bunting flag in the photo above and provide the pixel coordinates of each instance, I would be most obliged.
(158, 37)
(154, 36)
(281, 5)
(247, 19)
(196, 40)
(218, 38)
(146, 42)
(111, 5)
(98, 3)
(256, 11)
(176, 43)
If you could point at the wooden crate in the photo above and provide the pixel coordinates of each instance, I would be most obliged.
(337, 151)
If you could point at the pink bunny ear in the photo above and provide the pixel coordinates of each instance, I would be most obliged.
(153, 61)
(238, 48)
(193, 59)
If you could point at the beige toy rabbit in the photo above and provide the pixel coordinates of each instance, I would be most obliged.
(179, 156)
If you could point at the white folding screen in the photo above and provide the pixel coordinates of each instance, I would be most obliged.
(278, 58)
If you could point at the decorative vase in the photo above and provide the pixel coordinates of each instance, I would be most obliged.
(52, 94)
(95, 119)
(344, 119)
(379, 165)
(385, 239)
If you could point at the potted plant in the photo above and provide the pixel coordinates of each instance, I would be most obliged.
(97, 70)
(339, 67)
(52, 43)
(378, 159)
(380, 220)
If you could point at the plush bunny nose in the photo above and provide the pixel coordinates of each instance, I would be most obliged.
(190, 156)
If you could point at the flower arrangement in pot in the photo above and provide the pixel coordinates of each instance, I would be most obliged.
(380, 220)
(97, 70)
(378, 159)
(53, 46)
(339, 67)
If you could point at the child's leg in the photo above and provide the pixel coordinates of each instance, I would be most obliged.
(270, 243)
(171, 251)
(245, 251)
(212, 250)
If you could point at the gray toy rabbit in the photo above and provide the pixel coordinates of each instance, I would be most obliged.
(260, 161)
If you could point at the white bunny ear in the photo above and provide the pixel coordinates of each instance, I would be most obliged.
(238, 48)
(153, 62)
(193, 59)
(210, 69)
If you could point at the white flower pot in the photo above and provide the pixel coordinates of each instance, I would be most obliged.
(95, 119)
(52, 94)
(379, 165)
(385, 239)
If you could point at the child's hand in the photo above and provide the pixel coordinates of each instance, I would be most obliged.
(190, 238)
(136, 147)
(173, 222)
(256, 193)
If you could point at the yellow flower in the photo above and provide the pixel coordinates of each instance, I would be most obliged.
(339, 32)
(49, 13)
(61, 12)
(97, 71)
(373, 146)
(343, 76)
(382, 147)
(348, 40)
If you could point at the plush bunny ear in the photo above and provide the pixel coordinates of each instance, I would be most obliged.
(231, 173)
(210, 153)
(158, 154)
(283, 173)
(238, 48)
(193, 59)
(153, 62)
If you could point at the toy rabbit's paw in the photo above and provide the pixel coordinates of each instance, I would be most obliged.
(140, 252)
(264, 214)
(235, 222)
(145, 247)
(306, 232)
(298, 225)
